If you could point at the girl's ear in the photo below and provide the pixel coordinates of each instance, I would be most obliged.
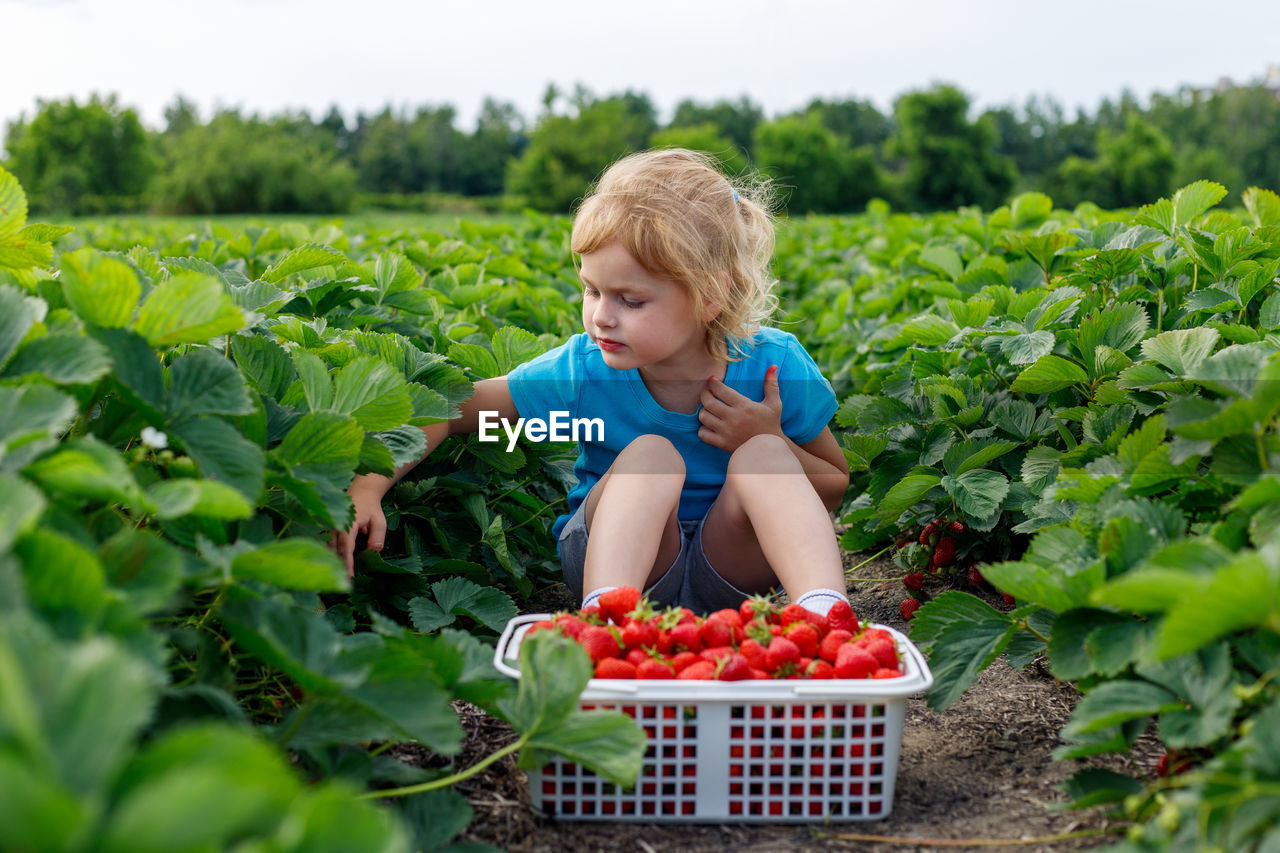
(714, 302)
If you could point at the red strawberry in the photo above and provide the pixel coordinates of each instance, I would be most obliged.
(637, 656)
(758, 607)
(855, 662)
(927, 535)
(637, 634)
(754, 652)
(1008, 599)
(842, 618)
(733, 667)
(618, 602)
(655, 668)
(571, 625)
(945, 554)
(793, 613)
(615, 668)
(884, 651)
(716, 653)
(715, 631)
(914, 581)
(830, 645)
(908, 608)
(599, 642)
(886, 673)
(782, 656)
(683, 660)
(957, 527)
(820, 669)
(544, 625)
(730, 616)
(976, 580)
(759, 674)
(684, 637)
(805, 636)
(703, 670)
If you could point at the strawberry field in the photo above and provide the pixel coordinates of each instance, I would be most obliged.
(1072, 414)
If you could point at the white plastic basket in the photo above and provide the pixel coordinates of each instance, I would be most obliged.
(766, 751)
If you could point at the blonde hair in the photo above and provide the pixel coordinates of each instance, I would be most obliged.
(683, 220)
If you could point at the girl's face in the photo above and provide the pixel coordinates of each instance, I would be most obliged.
(639, 320)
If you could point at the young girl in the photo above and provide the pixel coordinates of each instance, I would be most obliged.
(716, 472)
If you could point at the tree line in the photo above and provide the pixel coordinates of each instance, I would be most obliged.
(928, 153)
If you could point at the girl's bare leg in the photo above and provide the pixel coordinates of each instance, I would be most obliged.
(769, 526)
(631, 515)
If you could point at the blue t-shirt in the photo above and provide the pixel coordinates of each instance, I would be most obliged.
(573, 378)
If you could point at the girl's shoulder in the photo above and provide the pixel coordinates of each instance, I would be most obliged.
(769, 341)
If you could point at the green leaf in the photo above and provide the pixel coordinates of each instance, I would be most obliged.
(294, 639)
(460, 597)
(17, 315)
(295, 563)
(974, 453)
(303, 258)
(202, 498)
(513, 346)
(1059, 571)
(1027, 347)
(1115, 702)
(21, 505)
(189, 308)
(265, 364)
(475, 358)
(1205, 681)
(1049, 373)
(905, 492)
(65, 582)
(101, 290)
(87, 468)
(199, 787)
(322, 439)
(406, 443)
(1030, 209)
(76, 708)
(554, 671)
(1242, 594)
(317, 386)
(977, 492)
(942, 260)
(13, 205)
(962, 636)
(1194, 199)
(144, 567)
(1095, 786)
(1181, 350)
(1263, 206)
(202, 382)
(929, 330)
(224, 454)
(374, 393)
(65, 358)
(1120, 328)
(137, 370)
(1269, 313)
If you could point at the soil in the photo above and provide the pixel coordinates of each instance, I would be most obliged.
(981, 772)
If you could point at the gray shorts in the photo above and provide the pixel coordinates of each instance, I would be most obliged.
(690, 581)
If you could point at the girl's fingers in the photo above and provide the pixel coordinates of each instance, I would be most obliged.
(377, 533)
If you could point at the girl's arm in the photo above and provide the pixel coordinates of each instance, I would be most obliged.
(367, 490)
(825, 466)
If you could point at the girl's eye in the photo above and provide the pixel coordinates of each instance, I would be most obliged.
(630, 304)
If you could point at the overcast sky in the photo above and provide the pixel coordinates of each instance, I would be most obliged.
(267, 55)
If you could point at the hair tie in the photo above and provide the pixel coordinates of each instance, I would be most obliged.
(735, 195)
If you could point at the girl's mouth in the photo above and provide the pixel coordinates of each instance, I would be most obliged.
(608, 345)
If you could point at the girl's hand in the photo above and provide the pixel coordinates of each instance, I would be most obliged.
(369, 520)
(729, 419)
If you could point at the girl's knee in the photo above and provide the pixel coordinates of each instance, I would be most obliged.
(764, 454)
(654, 454)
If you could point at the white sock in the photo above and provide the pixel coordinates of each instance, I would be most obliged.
(820, 601)
(593, 597)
